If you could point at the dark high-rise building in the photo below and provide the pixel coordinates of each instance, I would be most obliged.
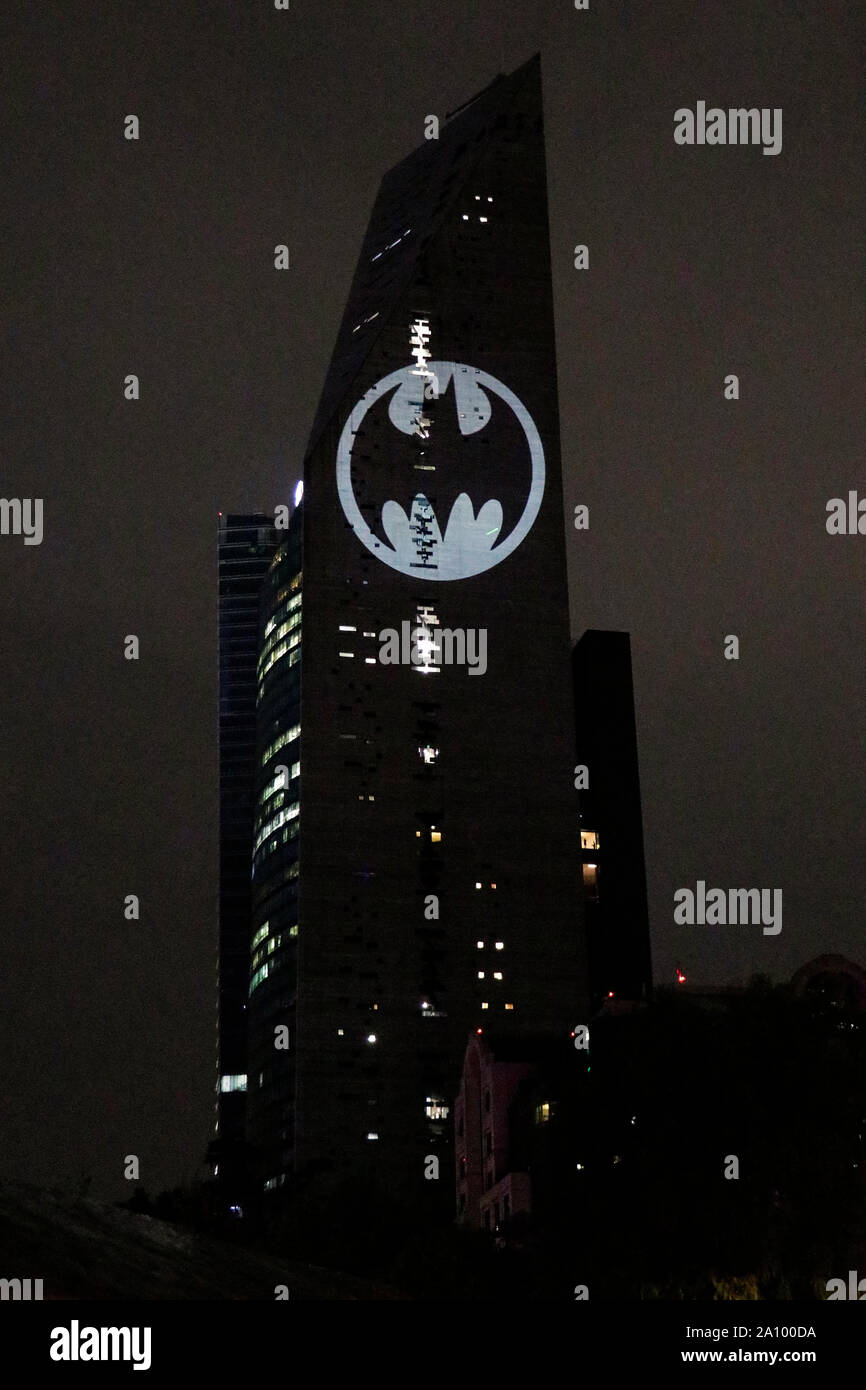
(416, 864)
(611, 825)
(246, 546)
(272, 982)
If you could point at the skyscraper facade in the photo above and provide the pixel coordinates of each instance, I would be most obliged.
(611, 823)
(274, 868)
(427, 843)
(246, 546)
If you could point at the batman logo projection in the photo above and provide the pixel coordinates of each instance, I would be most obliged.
(441, 472)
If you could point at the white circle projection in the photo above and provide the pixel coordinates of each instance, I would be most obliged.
(417, 545)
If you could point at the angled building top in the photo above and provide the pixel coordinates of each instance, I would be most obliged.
(413, 201)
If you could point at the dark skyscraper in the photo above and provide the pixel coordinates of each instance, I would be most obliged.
(611, 826)
(246, 546)
(425, 866)
(272, 980)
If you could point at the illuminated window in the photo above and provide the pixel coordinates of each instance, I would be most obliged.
(588, 839)
(480, 945)
(288, 737)
(235, 1082)
(485, 1006)
(340, 1033)
(436, 1109)
(542, 1113)
(428, 754)
(259, 936)
(277, 783)
(275, 645)
(590, 880)
(371, 1037)
(289, 647)
(287, 814)
(478, 885)
(344, 628)
(372, 1135)
(481, 974)
(435, 835)
(284, 609)
(346, 653)
(500, 945)
(497, 974)
(509, 1006)
(259, 975)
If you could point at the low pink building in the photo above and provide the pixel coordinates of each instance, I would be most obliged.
(489, 1194)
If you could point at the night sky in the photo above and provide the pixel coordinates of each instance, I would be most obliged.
(707, 517)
